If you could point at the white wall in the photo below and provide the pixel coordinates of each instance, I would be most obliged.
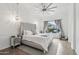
(73, 27)
(71, 24)
(77, 28)
(8, 25)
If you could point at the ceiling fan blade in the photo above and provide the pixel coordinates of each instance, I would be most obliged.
(52, 7)
(49, 5)
(51, 10)
(43, 5)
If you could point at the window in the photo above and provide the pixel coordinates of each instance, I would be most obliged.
(52, 27)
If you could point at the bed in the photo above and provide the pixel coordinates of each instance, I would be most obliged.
(37, 41)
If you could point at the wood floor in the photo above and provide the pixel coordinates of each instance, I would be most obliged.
(58, 47)
(11, 51)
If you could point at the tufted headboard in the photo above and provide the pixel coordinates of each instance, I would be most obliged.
(27, 26)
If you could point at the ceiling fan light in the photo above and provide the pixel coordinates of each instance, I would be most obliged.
(43, 9)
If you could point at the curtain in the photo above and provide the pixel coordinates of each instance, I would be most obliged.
(45, 26)
(58, 22)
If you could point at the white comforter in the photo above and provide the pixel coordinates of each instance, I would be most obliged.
(43, 41)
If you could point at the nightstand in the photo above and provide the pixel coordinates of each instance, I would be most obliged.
(15, 41)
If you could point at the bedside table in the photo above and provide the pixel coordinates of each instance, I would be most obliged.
(14, 41)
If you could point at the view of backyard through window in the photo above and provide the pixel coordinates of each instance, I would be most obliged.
(52, 27)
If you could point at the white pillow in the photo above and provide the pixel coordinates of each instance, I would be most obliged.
(27, 32)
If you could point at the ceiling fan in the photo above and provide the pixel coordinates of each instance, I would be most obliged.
(48, 7)
(45, 10)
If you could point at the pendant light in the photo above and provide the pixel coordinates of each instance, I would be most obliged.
(17, 11)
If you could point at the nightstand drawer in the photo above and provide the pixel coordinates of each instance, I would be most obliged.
(17, 40)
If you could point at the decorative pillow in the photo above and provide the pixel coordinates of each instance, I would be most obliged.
(27, 32)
